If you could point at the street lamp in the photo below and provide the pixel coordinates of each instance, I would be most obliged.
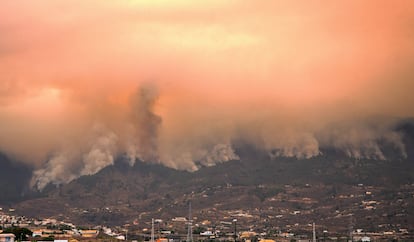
(235, 229)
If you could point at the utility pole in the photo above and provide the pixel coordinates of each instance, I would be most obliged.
(190, 225)
(314, 232)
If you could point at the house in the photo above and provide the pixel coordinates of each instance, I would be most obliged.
(206, 233)
(90, 233)
(37, 233)
(247, 234)
(179, 219)
(7, 237)
(365, 239)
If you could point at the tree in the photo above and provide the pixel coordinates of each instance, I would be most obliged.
(20, 233)
(198, 230)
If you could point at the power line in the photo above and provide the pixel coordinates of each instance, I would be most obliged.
(190, 225)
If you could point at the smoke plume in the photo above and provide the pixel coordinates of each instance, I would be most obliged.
(290, 78)
(146, 123)
(67, 164)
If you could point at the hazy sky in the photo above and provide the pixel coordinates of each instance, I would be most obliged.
(178, 81)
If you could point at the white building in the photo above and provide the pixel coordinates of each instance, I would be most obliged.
(207, 233)
(7, 237)
(365, 239)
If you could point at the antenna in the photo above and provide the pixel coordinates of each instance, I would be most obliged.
(152, 230)
(351, 228)
(314, 232)
(190, 225)
(235, 229)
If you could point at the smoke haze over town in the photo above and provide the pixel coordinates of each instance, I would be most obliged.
(181, 82)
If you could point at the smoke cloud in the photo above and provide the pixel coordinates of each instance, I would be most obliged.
(291, 78)
(75, 160)
(146, 123)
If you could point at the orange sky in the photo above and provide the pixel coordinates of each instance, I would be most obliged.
(274, 72)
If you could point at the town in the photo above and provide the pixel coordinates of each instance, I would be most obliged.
(235, 225)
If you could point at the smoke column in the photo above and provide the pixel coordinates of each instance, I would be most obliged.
(146, 123)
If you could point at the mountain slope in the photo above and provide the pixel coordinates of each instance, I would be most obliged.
(14, 180)
(119, 193)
